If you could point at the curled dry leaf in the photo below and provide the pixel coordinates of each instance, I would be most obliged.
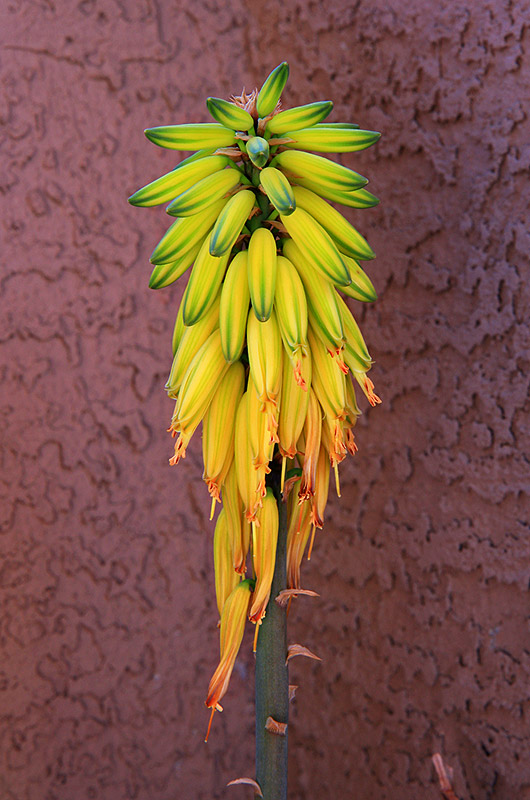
(299, 650)
(292, 691)
(445, 776)
(231, 152)
(278, 728)
(251, 782)
(285, 594)
(288, 485)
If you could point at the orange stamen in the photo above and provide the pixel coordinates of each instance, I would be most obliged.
(299, 523)
(311, 543)
(337, 483)
(180, 451)
(350, 442)
(210, 724)
(255, 645)
(298, 375)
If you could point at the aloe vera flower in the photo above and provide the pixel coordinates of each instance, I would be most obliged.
(266, 351)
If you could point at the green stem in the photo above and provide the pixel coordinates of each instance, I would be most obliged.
(272, 680)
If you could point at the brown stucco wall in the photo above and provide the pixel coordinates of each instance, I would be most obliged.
(108, 625)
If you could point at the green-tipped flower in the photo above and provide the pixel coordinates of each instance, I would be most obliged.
(230, 221)
(344, 235)
(278, 190)
(300, 117)
(191, 137)
(229, 114)
(185, 234)
(262, 268)
(191, 340)
(177, 181)
(203, 285)
(270, 92)
(233, 314)
(290, 303)
(318, 169)
(165, 274)
(330, 140)
(322, 303)
(204, 193)
(317, 246)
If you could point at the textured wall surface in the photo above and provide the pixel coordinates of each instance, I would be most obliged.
(108, 624)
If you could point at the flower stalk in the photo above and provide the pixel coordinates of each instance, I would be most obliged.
(272, 679)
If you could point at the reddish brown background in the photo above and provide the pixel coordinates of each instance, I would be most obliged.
(107, 632)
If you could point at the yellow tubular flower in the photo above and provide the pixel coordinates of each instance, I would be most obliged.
(185, 234)
(165, 274)
(333, 433)
(233, 312)
(320, 497)
(297, 537)
(178, 331)
(312, 435)
(234, 514)
(218, 428)
(203, 286)
(262, 269)
(323, 309)
(226, 578)
(192, 339)
(261, 445)
(233, 619)
(291, 311)
(352, 333)
(177, 181)
(264, 541)
(367, 386)
(352, 409)
(196, 392)
(265, 355)
(328, 380)
(294, 403)
(250, 480)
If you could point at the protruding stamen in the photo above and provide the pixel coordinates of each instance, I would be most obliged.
(284, 466)
(337, 482)
(212, 508)
(180, 448)
(255, 645)
(298, 375)
(299, 523)
(210, 724)
(311, 543)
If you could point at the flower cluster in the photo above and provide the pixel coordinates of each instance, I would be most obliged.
(266, 351)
